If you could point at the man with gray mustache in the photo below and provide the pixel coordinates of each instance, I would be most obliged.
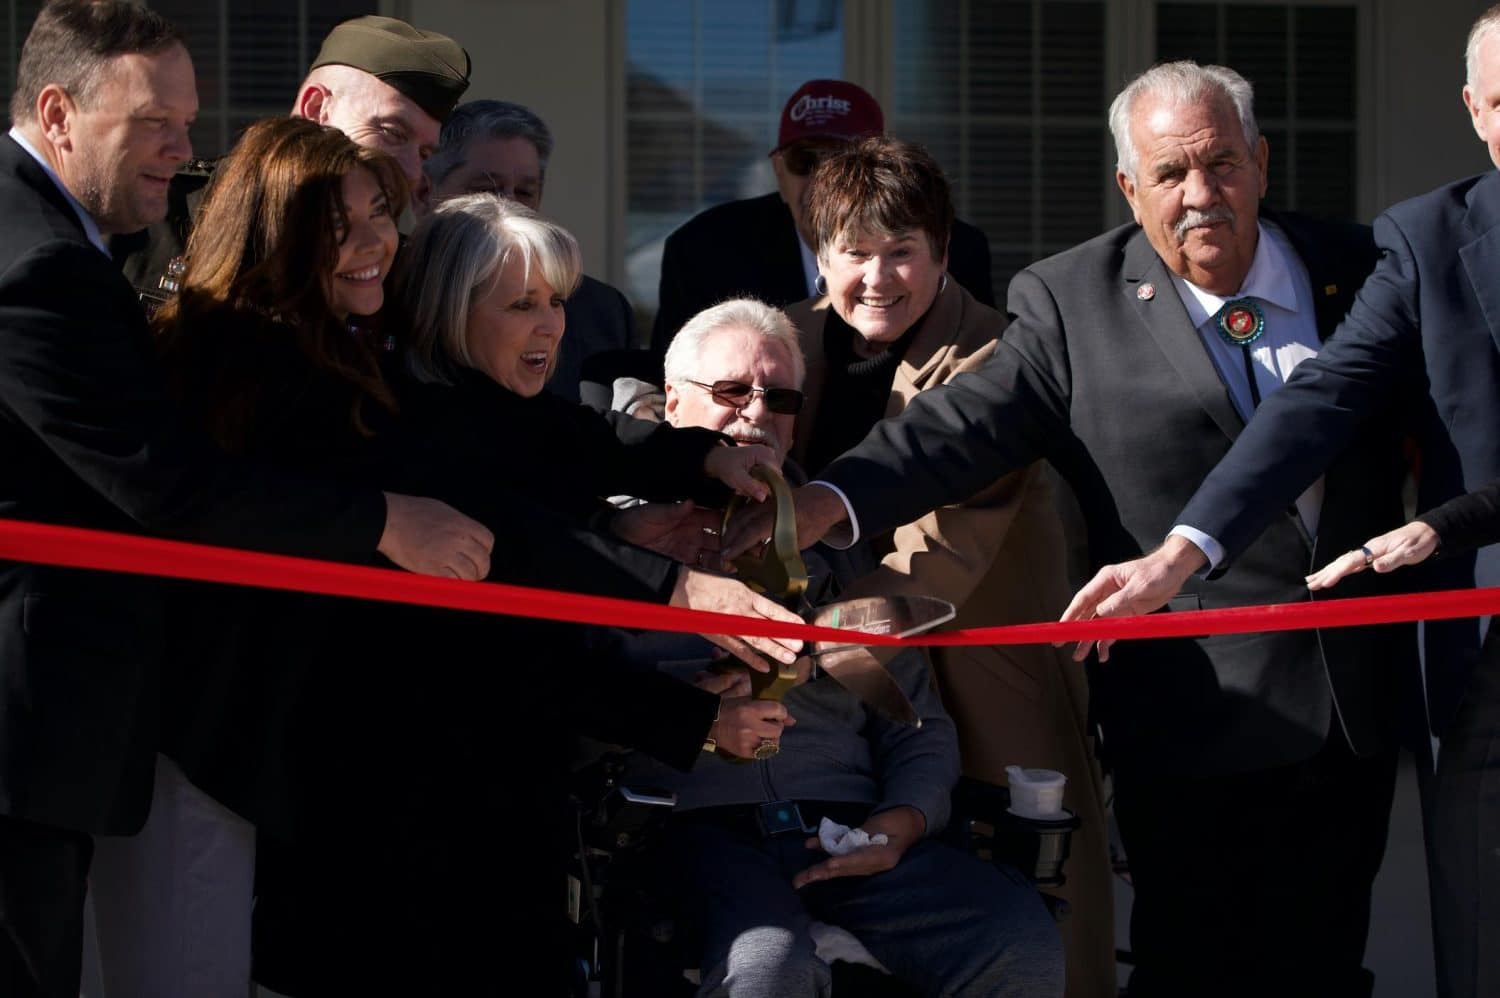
(1253, 773)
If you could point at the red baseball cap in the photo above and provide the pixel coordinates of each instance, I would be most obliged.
(829, 109)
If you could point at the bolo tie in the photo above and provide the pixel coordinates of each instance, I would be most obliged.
(1240, 323)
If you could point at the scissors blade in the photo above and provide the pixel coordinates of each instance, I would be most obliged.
(902, 616)
(860, 671)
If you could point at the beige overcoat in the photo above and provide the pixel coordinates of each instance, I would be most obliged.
(1000, 558)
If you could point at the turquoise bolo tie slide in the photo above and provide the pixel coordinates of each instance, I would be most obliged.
(1240, 322)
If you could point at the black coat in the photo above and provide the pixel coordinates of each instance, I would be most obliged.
(751, 247)
(88, 437)
(1117, 390)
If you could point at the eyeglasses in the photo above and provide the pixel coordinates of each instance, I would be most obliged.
(802, 158)
(737, 395)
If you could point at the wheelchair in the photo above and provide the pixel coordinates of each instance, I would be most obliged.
(631, 945)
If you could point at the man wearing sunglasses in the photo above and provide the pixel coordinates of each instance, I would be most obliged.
(738, 858)
(759, 247)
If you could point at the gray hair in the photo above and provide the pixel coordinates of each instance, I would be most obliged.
(487, 119)
(1482, 29)
(456, 250)
(681, 363)
(1179, 83)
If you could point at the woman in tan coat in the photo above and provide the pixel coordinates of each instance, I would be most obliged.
(887, 325)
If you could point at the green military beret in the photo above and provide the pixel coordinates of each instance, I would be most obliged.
(431, 69)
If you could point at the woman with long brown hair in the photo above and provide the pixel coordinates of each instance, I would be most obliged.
(298, 236)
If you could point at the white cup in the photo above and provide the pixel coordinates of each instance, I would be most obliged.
(1036, 793)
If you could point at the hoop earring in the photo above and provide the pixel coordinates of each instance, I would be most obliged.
(943, 284)
(820, 285)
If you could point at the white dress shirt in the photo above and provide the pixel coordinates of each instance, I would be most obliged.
(1279, 282)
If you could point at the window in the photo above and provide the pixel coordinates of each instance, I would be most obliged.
(16, 17)
(250, 55)
(705, 83)
(1010, 97)
(1302, 61)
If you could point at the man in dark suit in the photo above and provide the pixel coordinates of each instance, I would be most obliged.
(1253, 775)
(103, 99)
(1421, 336)
(760, 247)
(499, 147)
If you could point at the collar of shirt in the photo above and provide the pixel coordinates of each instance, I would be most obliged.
(90, 227)
(1270, 279)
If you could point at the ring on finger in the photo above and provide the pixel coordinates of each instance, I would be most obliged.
(1364, 549)
(767, 749)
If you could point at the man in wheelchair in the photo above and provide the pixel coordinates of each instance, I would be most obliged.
(743, 859)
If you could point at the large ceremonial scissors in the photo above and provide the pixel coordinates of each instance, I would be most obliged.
(777, 570)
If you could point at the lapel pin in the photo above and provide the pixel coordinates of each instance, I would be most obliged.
(1146, 291)
(1330, 289)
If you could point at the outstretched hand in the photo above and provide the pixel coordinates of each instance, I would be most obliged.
(732, 465)
(744, 725)
(432, 538)
(1406, 545)
(901, 826)
(818, 511)
(721, 594)
(679, 530)
(1134, 587)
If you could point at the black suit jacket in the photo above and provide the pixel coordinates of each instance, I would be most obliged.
(1119, 393)
(751, 247)
(1421, 337)
(88, 438)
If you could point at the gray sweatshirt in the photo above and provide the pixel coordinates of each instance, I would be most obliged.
(839, 749)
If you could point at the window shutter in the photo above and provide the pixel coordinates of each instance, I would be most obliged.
(1009, 97)
(268, 45)
(18, 16)
(1301, 60)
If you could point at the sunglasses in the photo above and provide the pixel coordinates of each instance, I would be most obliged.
(803, 159)
(737, 395)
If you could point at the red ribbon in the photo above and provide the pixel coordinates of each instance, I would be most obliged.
(74, 547)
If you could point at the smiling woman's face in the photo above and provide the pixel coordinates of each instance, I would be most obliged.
(515, 326)
(367, 246)
(881, 285)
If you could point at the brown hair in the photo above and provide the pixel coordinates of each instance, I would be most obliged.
(881, 186)
(71, 41)
(265, 243)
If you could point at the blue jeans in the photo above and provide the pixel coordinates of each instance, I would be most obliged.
(942, 920)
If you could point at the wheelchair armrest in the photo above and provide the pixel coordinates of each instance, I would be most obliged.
(616, 816)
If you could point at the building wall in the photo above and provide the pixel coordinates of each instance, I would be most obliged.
(554, 56)
(1423, 136)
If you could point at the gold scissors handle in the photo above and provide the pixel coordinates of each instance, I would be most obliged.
(778, 571)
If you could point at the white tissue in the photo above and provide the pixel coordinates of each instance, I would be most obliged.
(837, 839)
